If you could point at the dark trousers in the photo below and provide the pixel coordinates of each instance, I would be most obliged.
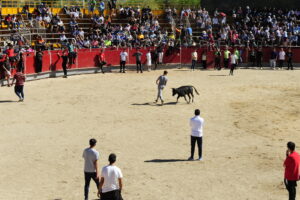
(88, 176)
(217, 64)
(19, 91)
(112, 195)
(281, 63)
(199, 143)
(64, 66)
(258, 62)
(290, 64)
(232, 69)
(139, 66)
(155, 62)
(122, 66)
(193, 64)
(291, 187)
(39, 65)
(226, 63)
(204, 64)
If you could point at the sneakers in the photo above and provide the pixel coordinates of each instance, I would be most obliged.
(199, 159)
(190, 158)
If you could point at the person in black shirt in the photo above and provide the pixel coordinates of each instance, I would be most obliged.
(39, 61)
(259, 57)
(65, 58)
(289, 56)
(138, 56)
(218, 56)
(155, 58)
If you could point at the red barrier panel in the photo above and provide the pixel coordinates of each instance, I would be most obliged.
(89, 57)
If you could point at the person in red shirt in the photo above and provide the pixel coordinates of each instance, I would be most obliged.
(19, 77)
(101, 60)
(291, 174)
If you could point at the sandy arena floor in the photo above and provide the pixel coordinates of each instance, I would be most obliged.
(249, 118)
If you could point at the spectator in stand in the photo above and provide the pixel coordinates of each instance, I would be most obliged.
(63, 39)
(289, 56)
(72, 53)
(291, 174)
(281, 57)
(111, 185)
(40, 43)
(20, 78)
(138, 58)
(39, 60)
(123, 60)
(101, 7)
(92, 4)
(73, 25)
(273, 59)
(8, 21)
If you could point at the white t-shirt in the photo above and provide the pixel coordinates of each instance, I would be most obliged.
(196, 124)
(148, 56)
(90, 155)
(123, 56)
(281, 55)
(233, 59)
(111, 175)
(194, 56)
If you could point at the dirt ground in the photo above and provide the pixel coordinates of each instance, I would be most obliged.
(249, 118)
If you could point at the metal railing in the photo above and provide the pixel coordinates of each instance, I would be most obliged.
(154, 4)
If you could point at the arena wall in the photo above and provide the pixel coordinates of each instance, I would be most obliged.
(86, 61)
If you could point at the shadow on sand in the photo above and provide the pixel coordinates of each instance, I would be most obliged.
(154, 104)
(166, 160)
(7, 101)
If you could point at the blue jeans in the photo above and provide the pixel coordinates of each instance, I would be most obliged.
(193, 64)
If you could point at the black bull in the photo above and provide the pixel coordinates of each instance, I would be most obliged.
(183, 91)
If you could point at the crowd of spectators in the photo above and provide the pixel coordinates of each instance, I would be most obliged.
(248, 26)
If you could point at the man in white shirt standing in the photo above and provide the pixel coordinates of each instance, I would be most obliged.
(233, 63)
(194, 59)
(91, 157)
(281, 57)
(123, 59)
(196, 124)
(111, 181)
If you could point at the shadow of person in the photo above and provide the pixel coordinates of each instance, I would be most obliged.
(6, 101)
(166, 160)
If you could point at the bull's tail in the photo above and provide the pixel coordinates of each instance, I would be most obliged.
(196, 90)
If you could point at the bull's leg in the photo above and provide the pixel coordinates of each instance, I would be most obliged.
(185, 99)
(177, 99)
(189, 98)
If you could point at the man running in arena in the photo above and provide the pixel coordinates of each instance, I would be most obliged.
(161, 82)
(20, 78)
